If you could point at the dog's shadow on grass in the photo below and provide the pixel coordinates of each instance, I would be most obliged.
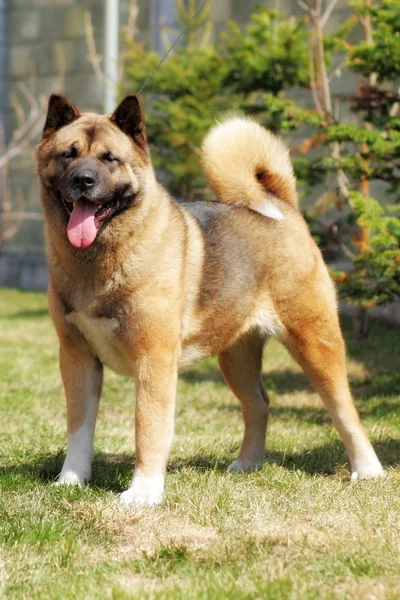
(28, 314)
(282, 382)
(325, 459)
(321, 460)
(112, 472)
(288, 381)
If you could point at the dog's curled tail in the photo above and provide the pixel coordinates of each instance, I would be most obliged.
(247, 165)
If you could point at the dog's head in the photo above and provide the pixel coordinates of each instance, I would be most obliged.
(93, 167)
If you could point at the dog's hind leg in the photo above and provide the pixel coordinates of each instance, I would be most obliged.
(241, 367)
(316, 342)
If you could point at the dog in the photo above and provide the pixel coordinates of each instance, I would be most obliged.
(147, 286)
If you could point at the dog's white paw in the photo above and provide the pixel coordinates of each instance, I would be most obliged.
(70, 477)
(368, 472)
(244, 466)
(144, 491)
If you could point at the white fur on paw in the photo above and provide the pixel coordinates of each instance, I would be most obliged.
(368, 472)
(70, 478)
(244, 466)
(144, 491)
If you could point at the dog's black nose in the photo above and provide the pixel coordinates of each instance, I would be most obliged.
(84, 179)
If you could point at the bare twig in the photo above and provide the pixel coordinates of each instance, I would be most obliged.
(60, 56)
(336, 111)
(328, 12)
(25, 133)
(19, 152)
(18, 109)
(313, 84)
(133, 12)
(308, 144)
(305, 7)
(129, 31)
(195, 149)
(322, 66)
(395, 107)
(21, 147)
(336, 72)
(320, 79)
(347, 251)
(94, 58)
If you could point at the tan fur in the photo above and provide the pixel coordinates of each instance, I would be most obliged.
(165, 284)
(245, 163)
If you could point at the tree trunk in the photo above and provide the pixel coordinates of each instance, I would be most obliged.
(360, 323)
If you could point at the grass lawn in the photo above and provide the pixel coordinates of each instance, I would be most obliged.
(297, 529)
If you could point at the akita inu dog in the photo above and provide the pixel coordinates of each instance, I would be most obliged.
(145, 285)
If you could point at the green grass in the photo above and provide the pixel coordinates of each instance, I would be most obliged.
(297, 529)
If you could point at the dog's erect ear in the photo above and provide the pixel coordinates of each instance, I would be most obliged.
(60, 112)
(130, 119)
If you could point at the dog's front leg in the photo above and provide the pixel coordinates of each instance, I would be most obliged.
(156, 378)
(82, 375)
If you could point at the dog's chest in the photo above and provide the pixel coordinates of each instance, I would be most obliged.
(102, 335)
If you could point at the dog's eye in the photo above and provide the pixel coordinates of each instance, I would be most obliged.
(110, 158)
(70, 153)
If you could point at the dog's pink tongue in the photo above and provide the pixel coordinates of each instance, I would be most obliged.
(81, 229)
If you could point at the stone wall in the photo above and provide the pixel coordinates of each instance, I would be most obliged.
(25, 271)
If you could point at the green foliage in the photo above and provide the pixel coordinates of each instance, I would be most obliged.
(177, 118)
(376, 275)
(271, 55)
(201, 81)
(384, 144)
(279, 114)
(311, 172)
(370, 150)
(366, 153)
(383, 55)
